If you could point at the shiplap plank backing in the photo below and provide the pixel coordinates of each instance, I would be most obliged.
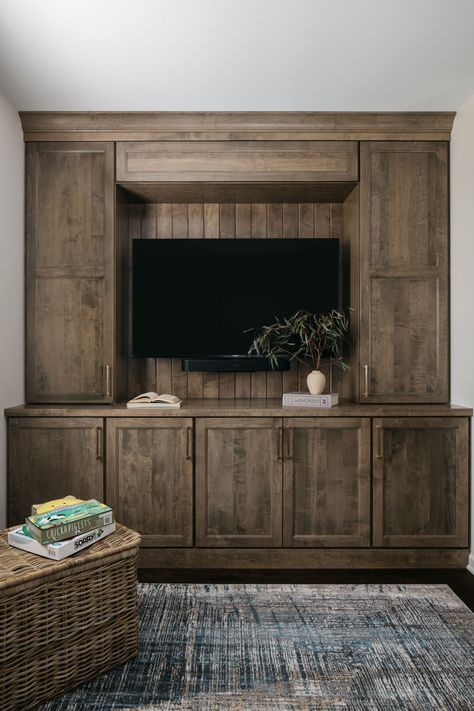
(226, 221)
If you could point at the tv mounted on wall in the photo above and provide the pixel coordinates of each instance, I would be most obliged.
(194, 299)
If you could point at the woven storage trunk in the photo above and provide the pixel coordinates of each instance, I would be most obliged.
(64, 622)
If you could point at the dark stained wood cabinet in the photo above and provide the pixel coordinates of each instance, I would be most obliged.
(326, 491)
(379, 482)
(238, 482)
(70, 272)
(50, 457)
(421, 474)
(150, 477)
(403, 335)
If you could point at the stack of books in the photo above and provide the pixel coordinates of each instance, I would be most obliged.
(60, 528)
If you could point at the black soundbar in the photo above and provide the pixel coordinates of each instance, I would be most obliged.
(232, 364)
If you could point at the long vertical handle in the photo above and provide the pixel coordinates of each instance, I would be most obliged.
(279, 437)
(98, 443)
(366, 381)
(189, 443)
(108, 380)
(379, 452)
(289, 442)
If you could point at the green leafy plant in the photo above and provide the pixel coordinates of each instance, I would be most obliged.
(305, 337)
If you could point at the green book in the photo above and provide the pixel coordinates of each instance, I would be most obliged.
(68, 521)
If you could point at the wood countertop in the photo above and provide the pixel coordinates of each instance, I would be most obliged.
(240, 408)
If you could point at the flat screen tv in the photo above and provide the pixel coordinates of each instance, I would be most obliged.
(197, 297)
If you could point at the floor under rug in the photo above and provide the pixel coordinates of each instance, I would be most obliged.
(292, 647)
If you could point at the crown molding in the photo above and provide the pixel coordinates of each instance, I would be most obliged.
(206, 126)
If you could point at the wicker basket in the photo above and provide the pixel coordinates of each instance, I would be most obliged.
(64, 622)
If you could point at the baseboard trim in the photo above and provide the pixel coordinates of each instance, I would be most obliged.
(239, 558)
(470, 564)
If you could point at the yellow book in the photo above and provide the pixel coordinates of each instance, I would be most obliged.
(54, 504)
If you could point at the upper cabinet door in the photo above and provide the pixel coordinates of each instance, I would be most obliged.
(70, 274)
(404, 272)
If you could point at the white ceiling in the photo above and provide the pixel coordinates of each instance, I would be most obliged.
(211, 55)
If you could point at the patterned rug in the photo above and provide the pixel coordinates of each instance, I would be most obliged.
(292, 647)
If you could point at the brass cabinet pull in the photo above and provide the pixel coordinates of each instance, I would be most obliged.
(289, 442)
(189, 443)
(379, 453)
(366, 381)
(98, 443)
(108, 379)
(279, 436)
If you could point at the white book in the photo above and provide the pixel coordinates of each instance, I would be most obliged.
(152, 400)
(308, 400)
(154, 405)
(61, 549)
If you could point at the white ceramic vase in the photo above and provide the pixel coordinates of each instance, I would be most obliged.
(316, 382)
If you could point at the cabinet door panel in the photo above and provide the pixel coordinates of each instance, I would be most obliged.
(326, 482)
(50, 458)
(405, 316)
(71, 229)
(70, 272)
(150, 477)
(69, 345)
(404, 313)
(238, 482)
(421, 474)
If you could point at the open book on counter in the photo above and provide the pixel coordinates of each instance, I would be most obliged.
(154, 400)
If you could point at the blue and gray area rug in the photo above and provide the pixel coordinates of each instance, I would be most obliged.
(292, 647)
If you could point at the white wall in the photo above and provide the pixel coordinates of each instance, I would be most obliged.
(11, 275)
(462, 263)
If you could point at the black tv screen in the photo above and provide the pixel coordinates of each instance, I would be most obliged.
(197, 297)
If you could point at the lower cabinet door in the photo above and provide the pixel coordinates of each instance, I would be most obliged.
(238, 482)
(50, 457)
(421, 470)
(326, 482)
(150, 477)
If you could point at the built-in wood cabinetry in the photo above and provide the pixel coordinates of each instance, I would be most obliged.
(421, 473)
(403, 333)
(70, 272)
(150, 477)
(49, 457)
(379, 481)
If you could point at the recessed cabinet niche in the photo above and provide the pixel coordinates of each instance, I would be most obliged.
(70, 272)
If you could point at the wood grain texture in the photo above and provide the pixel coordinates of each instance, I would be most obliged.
(70, 272)
(326, 473)
(421, 473)
(227, 221)
(300, 559)
(238, 482)
(404, 312)
(248, 161)
(150, 478)
(254, 125)
(51, 457)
